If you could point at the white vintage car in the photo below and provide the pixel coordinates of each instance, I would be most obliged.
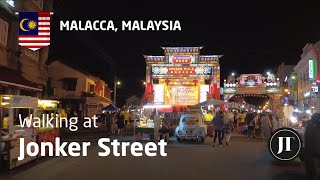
(190, 127)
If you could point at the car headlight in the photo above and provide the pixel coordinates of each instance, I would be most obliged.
(293, 119)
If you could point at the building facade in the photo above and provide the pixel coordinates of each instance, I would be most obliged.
(77, 90)
(283, 72)
(182, 77)
(22, 71)
(307, 70)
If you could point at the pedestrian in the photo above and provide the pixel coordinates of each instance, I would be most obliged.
(249, 122)
(218, 125)
(109, 122)
(265, 126)
(157, 122)
(245, 130)
(114, 125)
(256, 121)
(5, 121)
(120, 123)
(165, 129)
(227, 130)
(275, 124)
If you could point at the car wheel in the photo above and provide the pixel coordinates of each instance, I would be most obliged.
(312, 168)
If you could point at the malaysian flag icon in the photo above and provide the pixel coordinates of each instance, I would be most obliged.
(34, 29)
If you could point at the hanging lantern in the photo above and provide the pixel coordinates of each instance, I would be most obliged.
(167, 81)
(195, 82)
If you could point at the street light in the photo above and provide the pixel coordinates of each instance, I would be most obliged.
(268, 73)
(116, 83)
(144, 83)
(232, 74)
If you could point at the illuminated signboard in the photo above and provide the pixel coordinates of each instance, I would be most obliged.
(229, 90)
(312, 69)
(204, 90)
(182, 95)
(181, 59)
(273, 90)
(158, 93)
(181, 70)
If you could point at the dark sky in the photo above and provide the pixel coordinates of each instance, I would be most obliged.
(253, 37)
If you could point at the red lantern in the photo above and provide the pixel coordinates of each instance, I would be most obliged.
(195, 82)
(167, 81)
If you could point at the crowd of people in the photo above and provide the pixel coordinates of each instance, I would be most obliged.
(248, 123)
(115, 122)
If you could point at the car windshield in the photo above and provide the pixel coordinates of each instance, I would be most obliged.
(190, 120)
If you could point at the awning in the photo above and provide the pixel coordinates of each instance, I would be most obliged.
(14, 78)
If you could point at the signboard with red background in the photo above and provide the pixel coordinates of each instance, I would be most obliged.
(181, 59)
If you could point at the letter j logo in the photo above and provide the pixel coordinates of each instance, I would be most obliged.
(285, 144)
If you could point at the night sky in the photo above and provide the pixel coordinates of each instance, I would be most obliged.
(253, 37)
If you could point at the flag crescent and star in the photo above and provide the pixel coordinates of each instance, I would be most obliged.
(34, 30)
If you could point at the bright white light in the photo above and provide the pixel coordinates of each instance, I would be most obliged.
(10, 2)
(296, 110)
(293, 119)
(232, 74)
(6, 97)
(308, 111)
(156, 106)
(268, 73)
(118, 83)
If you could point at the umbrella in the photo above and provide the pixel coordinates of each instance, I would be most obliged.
(110, 108)
(211, 102)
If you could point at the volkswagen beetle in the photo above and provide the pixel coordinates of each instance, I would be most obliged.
(190, 127)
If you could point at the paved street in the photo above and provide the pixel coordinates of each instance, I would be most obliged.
(243, 159)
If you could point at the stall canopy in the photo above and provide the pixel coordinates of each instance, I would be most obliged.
(110, 108)
(211, 102)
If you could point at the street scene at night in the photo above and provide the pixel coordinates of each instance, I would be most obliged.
(90, 90)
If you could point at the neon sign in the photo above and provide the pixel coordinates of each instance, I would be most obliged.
(164, 70)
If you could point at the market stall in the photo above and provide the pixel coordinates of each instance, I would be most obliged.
(48, 108)
(144, 129)
(13, 109)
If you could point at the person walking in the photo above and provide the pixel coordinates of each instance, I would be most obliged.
(256, 121)
(157, 122)
(165, 129)
(249, 122)
(227, 131)
(265, 126)
(218, 125)
(275, 124)
(120, 123)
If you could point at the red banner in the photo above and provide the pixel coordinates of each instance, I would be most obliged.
(181, 60)
(181, 70)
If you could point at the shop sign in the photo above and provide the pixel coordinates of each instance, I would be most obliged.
(158, 70)
(24, 101)
(273, 90)
(181, 70)
(181, 59)
(229, 90)
(307, 94)
(314, 89)
(312, 69)
(251, 90)
(182, 95)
